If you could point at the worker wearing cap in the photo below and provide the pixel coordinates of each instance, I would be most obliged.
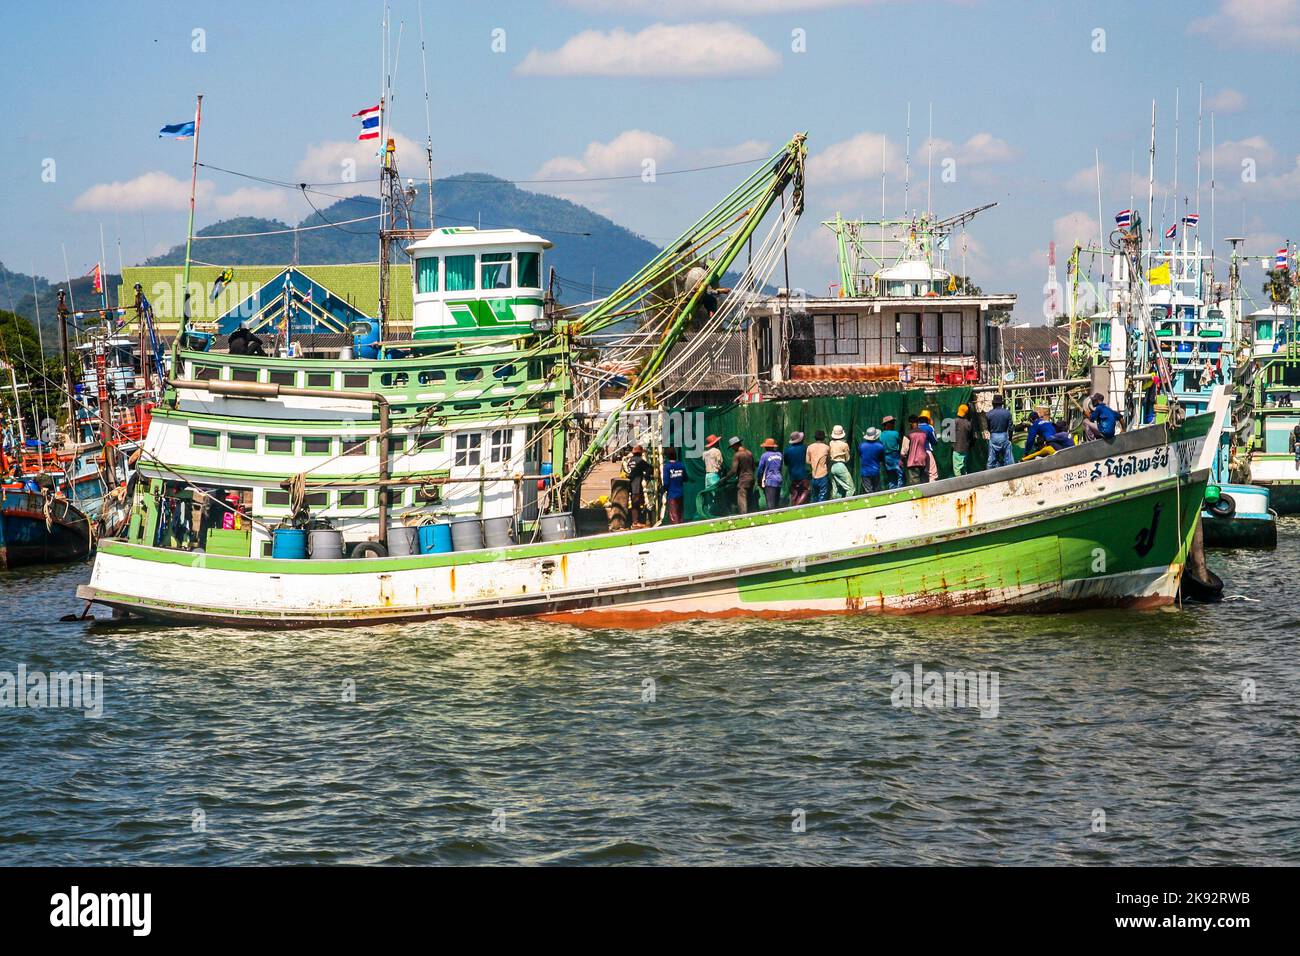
(769, 472)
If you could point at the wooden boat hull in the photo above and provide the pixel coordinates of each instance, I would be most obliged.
(27, 538)
(1107, 523)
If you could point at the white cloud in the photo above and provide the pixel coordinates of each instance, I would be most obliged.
(980, 148)
(699, 8)
(1226, 101)
(740, 152)
(1073, 227)
(1257, 23)
(624, 155)
(853, 159)
(337, 161)
(148, 192)
(250, 201)
(668, 50)
(1230, 153)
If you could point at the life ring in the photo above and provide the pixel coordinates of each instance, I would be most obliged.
(1225, 507)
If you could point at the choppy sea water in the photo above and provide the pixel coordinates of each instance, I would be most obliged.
(1120, 737)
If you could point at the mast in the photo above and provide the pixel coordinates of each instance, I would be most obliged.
(69, 385)
(1151, 183)
(428, 123)
(189, 235)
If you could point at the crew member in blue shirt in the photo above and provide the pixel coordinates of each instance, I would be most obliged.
(674, 486)
(1040, 430)
(999, 420)
(1103, 417)
(871, 458)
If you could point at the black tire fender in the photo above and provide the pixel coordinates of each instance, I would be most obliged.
(369, 549)
(1225, 507)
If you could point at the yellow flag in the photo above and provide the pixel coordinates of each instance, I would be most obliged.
(1159, 275)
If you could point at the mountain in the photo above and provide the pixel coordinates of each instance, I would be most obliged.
(583, 240)
(20, 295)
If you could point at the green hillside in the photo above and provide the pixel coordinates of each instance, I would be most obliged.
(583, 239)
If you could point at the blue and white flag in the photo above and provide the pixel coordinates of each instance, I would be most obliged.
(1191, 219)
(369, 122)
(177, 131)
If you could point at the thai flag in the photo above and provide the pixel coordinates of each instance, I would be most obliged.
(1040, 375)
(1124, 218)
(1056, 350)
(1281, 261)
(1191, 219)
(1171, 231)
(369, 122)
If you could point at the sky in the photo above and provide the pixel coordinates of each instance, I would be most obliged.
(1023, 98)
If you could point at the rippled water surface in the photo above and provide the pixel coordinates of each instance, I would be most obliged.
(523, 742)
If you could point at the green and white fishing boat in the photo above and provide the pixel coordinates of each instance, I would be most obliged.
(435, 475)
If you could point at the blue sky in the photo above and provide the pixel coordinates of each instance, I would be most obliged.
(1022, 94)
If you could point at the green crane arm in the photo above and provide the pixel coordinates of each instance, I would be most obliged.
(742, 211)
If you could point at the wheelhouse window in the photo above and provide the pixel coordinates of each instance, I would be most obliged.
(427, 274)
(459, 273)
(282, 376)
(396, 445)
(356, 380)
(469, 449)
(429, 441)
(495, 270)
(354, 448)
(320, 379)
(909, 332)
(204, 439)
(317, 446)
(243, 442)
(275, 499)
(279, 445)
(530, 270)
(499, 452)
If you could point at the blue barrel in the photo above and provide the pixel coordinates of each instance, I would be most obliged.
(546, 472)
(288, 543)
(365, 339)
(435, 538)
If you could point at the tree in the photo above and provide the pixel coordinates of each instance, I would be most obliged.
(1277, 285)
(42, 398)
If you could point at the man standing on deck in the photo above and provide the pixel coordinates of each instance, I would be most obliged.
(871, 459)
(819, 467)
(841, 477)
(712, 462)
(1295, 444)
(918, 453)
(796, 466)
(769, 473)
(674, 486)
(742, 469)
(892, 441)
(638, 473)
(999, 434)
(962, 427)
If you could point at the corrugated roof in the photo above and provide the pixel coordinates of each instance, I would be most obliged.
(355, 283)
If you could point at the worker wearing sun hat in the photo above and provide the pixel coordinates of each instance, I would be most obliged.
(769, 473)
(841, 477)
(712, 462)
(871, 459)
